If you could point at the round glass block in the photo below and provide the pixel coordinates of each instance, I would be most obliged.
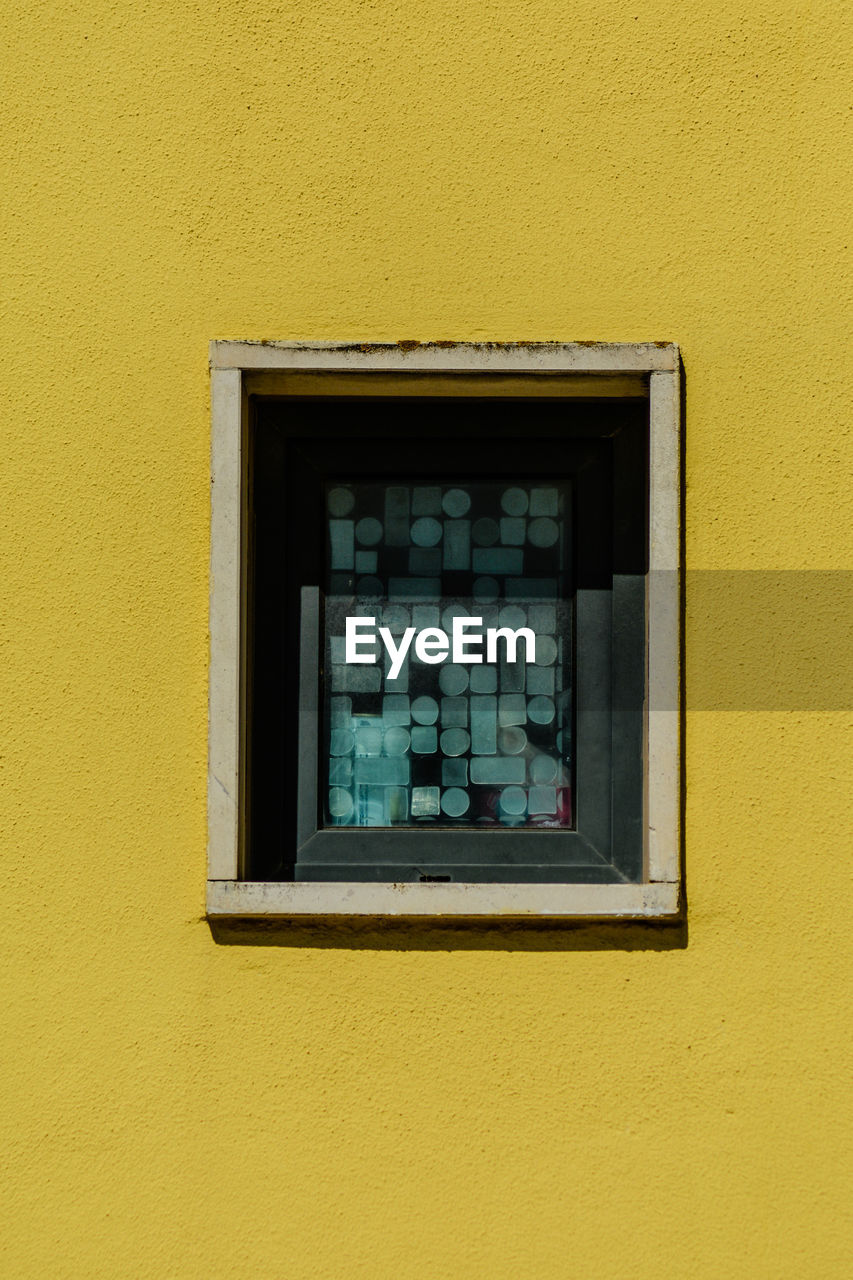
(369, 588)
(486, 589)
(397, 741)
(341, 502)
(543, 532)
(513, 800)
(455, 802)
(546, 651)
(453, 611)
(512, 740)
(395, 618)
(514, 502)
(543, 769)
(541, 710)
(340, 803)
(368, 741)
(426, 532)
(485, 532)
(455, 742)
(456, 502)
(452, 679)
(368, 531)
(512, 616)
(340, 742)
(425, 710)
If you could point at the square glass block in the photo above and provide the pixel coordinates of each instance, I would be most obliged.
(430, 717)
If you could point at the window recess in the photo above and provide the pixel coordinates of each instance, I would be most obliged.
(445, 632)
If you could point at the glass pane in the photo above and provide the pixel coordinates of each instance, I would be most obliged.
(448, 662)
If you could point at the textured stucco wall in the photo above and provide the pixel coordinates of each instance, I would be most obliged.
(180, 171)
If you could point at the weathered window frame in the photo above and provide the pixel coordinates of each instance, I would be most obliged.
(571, 369)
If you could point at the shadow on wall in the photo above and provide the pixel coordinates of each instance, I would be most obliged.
(462, 936)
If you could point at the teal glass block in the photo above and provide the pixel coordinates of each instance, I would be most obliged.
(426, 532)
(368, 531)
(340, 804)
(541, 710)
(425, 802)
(425, 615)
(426, 501)
(342, 541)
(340, 771)
(512, 709)
(512, 740)
(456, 502)
(352, 679)
(453, 678)
(484, 724)
(543, 532)
(400, 683)
(500, 560)
(513, 675)
(542, 800)
(341, 742)
(396, 709)
(543, 769)
(484, 679)
(424, 739)
(515, 501)
(540, 680)
(454, 713)
(454, 742)
(396, 617)
(455, 802)
(340, 502)
(425, 710)
(397, 741)
(368, 740)
(513, 800)
(546, 651)
(495, 771)
(340, 712)
(384, 771)
(513, 531)
(457, 545)
(454, 772)
(544, 502)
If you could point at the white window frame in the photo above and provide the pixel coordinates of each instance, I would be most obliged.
(237, 367)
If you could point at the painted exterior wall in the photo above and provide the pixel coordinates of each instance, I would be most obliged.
(598, 1104)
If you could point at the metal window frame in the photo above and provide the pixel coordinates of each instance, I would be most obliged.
(573, 369)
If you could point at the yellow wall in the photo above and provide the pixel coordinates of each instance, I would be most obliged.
(552, 170)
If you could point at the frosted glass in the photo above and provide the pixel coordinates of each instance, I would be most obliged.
(453, 742)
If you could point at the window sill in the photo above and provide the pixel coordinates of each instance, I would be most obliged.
(313, 902)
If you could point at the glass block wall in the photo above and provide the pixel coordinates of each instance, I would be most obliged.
(444, 742)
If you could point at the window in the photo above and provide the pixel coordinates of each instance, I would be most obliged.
(444, 623)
